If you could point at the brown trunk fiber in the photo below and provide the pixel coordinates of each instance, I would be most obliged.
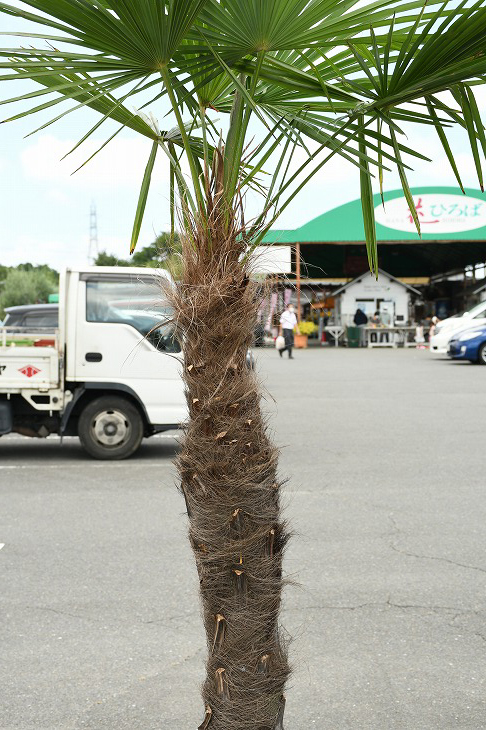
(228, 470)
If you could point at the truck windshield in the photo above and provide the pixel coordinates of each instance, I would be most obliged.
(137, 303)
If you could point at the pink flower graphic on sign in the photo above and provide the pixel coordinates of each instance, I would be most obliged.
(420, 213)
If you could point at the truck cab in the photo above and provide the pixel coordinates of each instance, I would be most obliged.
(110, 373)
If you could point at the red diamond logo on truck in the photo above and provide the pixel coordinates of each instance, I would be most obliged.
(29, 371)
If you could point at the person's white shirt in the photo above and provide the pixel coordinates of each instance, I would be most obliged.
(288, 320)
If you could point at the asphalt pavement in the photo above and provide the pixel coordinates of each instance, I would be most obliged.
(385, 454)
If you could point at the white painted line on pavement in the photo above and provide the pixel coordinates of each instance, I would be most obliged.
(2, 545)
(50, 439)
(84, 464)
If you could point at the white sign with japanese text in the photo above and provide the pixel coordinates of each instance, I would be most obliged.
(271, 260)
(437, 213)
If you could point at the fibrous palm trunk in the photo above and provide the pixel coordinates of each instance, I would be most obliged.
(228, 470)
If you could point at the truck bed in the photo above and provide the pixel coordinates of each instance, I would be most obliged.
(28, 361)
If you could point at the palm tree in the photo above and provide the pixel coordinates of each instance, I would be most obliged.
(328, 77)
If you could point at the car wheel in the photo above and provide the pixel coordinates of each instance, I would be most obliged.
(110, 428)
(482, 354)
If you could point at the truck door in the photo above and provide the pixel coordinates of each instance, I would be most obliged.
(124, 334)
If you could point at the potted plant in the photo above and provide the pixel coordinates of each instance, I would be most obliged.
(302, 333)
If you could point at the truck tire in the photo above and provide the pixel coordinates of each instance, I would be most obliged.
(110, 427)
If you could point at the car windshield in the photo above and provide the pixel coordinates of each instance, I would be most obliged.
(138, 303)
(11, 320)
(44, 320)
(470, 327)
(477, 311)
(35, 319)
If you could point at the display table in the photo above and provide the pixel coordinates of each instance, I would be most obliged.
(336, 331)
(390, 336)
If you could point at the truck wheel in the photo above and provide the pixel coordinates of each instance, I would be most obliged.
(482, 354)
(110, 428)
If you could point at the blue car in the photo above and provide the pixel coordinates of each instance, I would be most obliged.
(469, 344)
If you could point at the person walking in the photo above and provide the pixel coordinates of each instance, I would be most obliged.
(361, 320)
(288, 321)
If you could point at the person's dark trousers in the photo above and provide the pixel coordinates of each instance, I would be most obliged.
(289, 342)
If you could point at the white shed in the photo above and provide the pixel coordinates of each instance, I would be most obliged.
(387, 295)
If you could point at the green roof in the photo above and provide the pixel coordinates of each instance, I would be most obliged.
(445, 215)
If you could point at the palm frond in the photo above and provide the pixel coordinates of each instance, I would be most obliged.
(335, 77)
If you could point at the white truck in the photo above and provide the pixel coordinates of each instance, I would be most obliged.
(110, 373)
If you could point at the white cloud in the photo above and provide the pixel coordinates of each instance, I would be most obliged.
(40, 249)
(56, 195)
(120, 164)
(467, 169)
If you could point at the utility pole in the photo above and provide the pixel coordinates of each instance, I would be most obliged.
(298, 282)
(93, 250)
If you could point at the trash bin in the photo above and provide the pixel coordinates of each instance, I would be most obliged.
(352, 336)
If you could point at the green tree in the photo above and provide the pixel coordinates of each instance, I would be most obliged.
(331, 77)
(164, 252)
(26, 287)
(38, 267)
(107, 259)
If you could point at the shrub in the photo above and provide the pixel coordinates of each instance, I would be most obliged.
(308, 328)
(25, 287)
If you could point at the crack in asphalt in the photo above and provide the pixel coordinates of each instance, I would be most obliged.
(159, 621)
(178, 617)
(459, 613)
(394, 547)
(61, 612)
(381, 604)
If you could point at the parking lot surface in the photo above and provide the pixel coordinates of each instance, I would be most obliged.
(384, 451)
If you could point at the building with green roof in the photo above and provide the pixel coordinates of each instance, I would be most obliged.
(453, 237)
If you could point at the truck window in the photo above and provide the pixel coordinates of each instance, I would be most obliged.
(136, 303)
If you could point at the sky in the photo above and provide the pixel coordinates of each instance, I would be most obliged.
(45, 210)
